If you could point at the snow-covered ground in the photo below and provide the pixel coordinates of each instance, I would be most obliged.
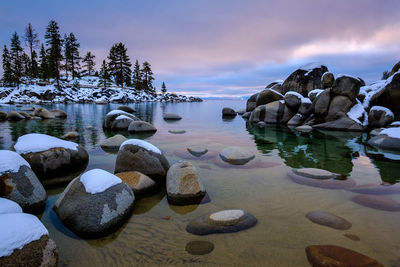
(83, 90)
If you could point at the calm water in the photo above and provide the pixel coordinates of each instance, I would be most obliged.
(155, 234)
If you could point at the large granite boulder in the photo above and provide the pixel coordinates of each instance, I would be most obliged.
(3, 116)
(304, 79)
(113, 142)
(14, 116)
(141, 156)
(379, 117)
(327, 80)
(269, 113)
(51, 157)
(19, 183)
(287, 114)
(395, 68)
(95, 204)
(388, 139)
(346, 85)
(121, 123)
(127, 109)
(228, 112)
(321, 103)
(389, 95)
(293, 100)
(251, 103)
(338, 106)
(342, 124)
(296, 120)
(43, 113)
(267, 96)
(141, 127)
(112, 115)
(184, 186)
(25, 242)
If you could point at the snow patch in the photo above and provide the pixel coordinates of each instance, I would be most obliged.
(357, 112)
(11, 161)
(395, 123)
(141, 143)
(117, 111)
(18, 230)
(8, 206)
(391, 132)
(34, 142)
(122, 117)
(98, 181)
(386, 110)
(348, 76)
(316, 92)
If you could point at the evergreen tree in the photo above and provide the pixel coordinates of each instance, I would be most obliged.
(34, 70)
(32, 41)
(44, 66)
(26, 64)
(89, 63)
(147, 76)
(119, 64)
(163, 88)
(72, 58)
(137, 76)
(104, 75)
(54, 56)
(7, 70)
(16, 59)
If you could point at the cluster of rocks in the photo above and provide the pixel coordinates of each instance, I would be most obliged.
(36, 114)
(122, 119)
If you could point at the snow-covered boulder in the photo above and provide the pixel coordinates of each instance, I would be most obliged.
(293, 100)
(19, 183)
(95, 204)
(388, 139)
(267, 96)
(379, 117)
(25, 242)
(346, 85)
(51, 157)
(140, 127)
(314, 93)
(141, 156)
(327, 80)
(111, 116)
(184, 186)
(121, 123)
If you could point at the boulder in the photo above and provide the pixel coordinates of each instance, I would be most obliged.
(121, 123)
(269, 113)
(172, 117)
(305, 107)
(346, 86)
(113, 142)
(25, 242)
(251, 103)
(304, 79)
(228, 112)
(288, 113)
(314, 173)
(70, 135)
(241, 111)
(141, 156)
(127, 109)
(293, 100)
(327, 80)
(14, 116)
(236, 155)
(112, 115)
(26, 115)
(184, 186)
(139, 183)
(342, 124)
(43, 113)
(225, 221)
(389, 96)
(95, 204)
(395, 68)
(329, 220)
(334, 256)
(297, 119)
(51, 157)
(379, 117)
(321, 103)
(19, 183)
(140, 127)
(388, 139)
(338, 106)
(197, 150)
(246, 115)
(199, 247)
(267, 96)
(59, 113)
(274, 83)
(314, 93)
(3, 116)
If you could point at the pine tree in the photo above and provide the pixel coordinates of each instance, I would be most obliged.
(119, 64)
(104, 75)
(72, 58)
(16, 59)
(34, 71)
(163, 88)
(89, 63)
(32, 41)
(137, 76)
(148, 78)
(54, 56)
(44, 66)
(7, 70)
(26, 64)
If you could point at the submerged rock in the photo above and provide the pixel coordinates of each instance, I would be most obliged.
(19, 183)
(315, 173)
(388, 139)
(379, 117)
(328, 219)
(71, 135)
(236, 155)
(43, 113)
(140, 127)
(95, 204)
(171, 116)
(113, 142)
(139, 183)
(197, 150)
(304, 128)
(184, 186)
(319, 178)
(199, 247)
(3, 116)
(59, 113)
(377, 202)
(335, 256)
(225, 221)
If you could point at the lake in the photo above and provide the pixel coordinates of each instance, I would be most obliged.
(155, 234)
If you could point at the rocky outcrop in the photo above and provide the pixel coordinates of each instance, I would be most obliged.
(389, 96)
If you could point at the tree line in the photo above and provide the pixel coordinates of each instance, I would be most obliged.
(59, 54)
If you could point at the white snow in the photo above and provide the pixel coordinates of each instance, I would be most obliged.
(306, 100)
(9, 206)
(17, 230)
(356, 113)
(117, 111)
(386, 110)
(325, 73)
(141, 143)
(122, 117)
(35, 142)
(11, 161)
(98, 181)
(346, 75)
(311, 66)
(276, 92)
(302, 98)
(391, 132)
(395, 123)
(316, 92)
(282, 101)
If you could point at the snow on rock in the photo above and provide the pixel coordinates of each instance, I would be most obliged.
(370, 90)
(34, 142)
(346, 75)
(11, 161)
(294, 93)
(316, 92)
(18, 230)
(141, 143)
(386, 110)
(311, 66)
(117, 111)
(121, 117)
(358, 112)
(98, 181)
(306, 100)
(395, 123)
(391, 132)
(276, 92)
(8, 206)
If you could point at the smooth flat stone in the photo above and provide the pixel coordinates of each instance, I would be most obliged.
(199, 247)
(376, 189)
(314, 173)
(226, 217)
(197, 150)
(171, 116)
(177, 131)
(377, 202)
(236, 155)
(328, 219)
(326, 183)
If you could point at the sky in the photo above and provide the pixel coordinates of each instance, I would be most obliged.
(224, 48)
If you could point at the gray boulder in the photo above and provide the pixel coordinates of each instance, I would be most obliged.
(121, 123)
(329, 220)
(236, 155)
(389, 96)
(228, 112)
(379, 117)
(338, 106)
(327, 80)
(246, 115)
(95, 204)
(342, 124)
(305, 108)
(112, 115)
(386, 139)
(141, 126)
(270, 113)
(297, 119)
(184, 186)
(267, 96)
(113, 142)
(141, 156)
(321, 104)
(251, 103)
(127, 109)
(293, 100)
(14, 116)
(172, 117)
(346, 86)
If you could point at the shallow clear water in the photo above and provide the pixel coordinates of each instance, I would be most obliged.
(155, 234)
